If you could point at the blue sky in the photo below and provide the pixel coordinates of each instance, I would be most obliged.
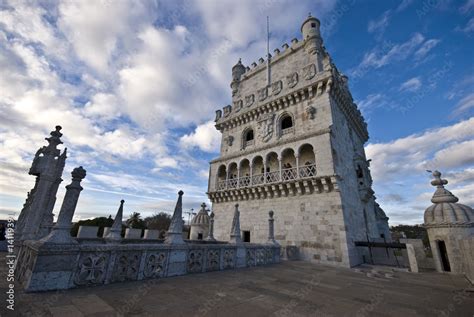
(135, 85)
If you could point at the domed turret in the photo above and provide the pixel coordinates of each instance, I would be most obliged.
(311, 35)
(238, 70)
(310, 27)
(446, 211)
(200, 224)
(450, 227)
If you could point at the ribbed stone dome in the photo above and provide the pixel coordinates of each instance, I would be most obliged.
(202, 218)
(445, 210)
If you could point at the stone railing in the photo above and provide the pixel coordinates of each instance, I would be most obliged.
(249, 143)
(100, 264)
(60, 261)
(287, 174)
(287, 131)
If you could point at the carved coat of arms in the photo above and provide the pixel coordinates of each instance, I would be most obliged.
(277, 87)
(249, 100)
(309, 71)
(238, 105)
(227, 110)
(292, 80)
(265, 126)
(262, 94)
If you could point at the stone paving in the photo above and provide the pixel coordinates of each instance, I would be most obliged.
(287, 289)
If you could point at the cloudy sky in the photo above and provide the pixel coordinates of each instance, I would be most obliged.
(134, 84)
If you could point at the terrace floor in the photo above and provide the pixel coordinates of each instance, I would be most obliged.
(287, 289)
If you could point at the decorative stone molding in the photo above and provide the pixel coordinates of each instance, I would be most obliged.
(265, 126)
(227, 110)
(292, 80)
(277, 87)
(213, 260)
(262, 94)
(309, 71)
(218, 115)
(238, 105)
(126, 267)
(92, 268)
(155, 265)
(310, 112)
(228, 259)
(195, 259)
(249, 100)
(229, 140)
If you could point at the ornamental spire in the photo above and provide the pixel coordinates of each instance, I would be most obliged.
(115, 232)
(175, 231)
(441, 194)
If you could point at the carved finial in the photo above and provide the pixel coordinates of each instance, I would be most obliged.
(78, 173)
(438, 181)
(309, 14)
(180, 193)
(270, 213)
(203, 205)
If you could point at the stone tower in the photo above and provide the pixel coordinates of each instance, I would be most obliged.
(294, 144)
(36, 217)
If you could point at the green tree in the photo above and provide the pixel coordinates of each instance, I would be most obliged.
(135, 221)
(100, 222)
(160, 221)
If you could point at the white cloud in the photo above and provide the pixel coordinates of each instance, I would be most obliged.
(97, 28)
(426, 48)
(468, 28)
(467, 7)
(403, 5)
(464, 105)
(387, 53)
(418, 152)
(379, 24)
(399, 169)
(412, 85)
(205, 137)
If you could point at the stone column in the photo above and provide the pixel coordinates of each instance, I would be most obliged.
(115, 232)
(271, 234)
(264, 171)
(251, 173)
(61, 231)
(238, 176)
(210, 237)
(175, 231)
(235, 236)
(297, 158)
(279, 166)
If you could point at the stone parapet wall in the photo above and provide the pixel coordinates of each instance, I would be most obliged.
(44, 267)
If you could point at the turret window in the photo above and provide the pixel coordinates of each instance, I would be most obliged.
(286, 125)
(248, 138)
(249, 135)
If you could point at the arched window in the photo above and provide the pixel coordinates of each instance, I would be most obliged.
(249, 135)
(247, 138)
(286, 122)
(285, 125)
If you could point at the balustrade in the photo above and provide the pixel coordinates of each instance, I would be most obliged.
(287, 174)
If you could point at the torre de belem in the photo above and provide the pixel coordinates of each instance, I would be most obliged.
(293, 143)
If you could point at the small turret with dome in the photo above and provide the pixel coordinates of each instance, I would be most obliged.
(450, 227)
(446, 211)
(200, 224)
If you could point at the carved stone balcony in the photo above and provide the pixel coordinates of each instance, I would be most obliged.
(287, 182)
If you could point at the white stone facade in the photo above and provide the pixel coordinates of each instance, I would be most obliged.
(294, 143)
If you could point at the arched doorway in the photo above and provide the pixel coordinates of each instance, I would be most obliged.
(443, 254)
